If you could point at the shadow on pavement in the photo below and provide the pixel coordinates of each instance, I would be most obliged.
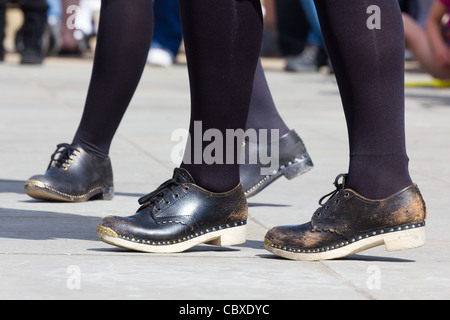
(41, 225)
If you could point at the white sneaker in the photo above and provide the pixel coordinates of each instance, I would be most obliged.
(160, 57)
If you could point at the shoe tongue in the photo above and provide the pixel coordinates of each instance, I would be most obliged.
(182, 175)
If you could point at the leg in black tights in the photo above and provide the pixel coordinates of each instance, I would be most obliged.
(263, 113)
(124, 37)
(369, 67)
(217, 34)
(378, 204)
(222, 40)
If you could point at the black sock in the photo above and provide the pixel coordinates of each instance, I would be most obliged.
(222, 40)
(263, 113)
(369, 66)
(124, 37)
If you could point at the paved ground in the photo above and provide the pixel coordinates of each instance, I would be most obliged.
(50, 250)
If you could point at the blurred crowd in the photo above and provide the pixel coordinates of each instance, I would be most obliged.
(50, 27)
(292, 32)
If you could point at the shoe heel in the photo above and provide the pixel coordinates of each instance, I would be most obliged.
(107, 193)
(230, 237)
(298, 168)
(403, 240)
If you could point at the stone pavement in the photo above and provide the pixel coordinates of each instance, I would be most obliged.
(50, 250)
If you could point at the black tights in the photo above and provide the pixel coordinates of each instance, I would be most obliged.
(124, 37)
(369, 66)
(222, 42)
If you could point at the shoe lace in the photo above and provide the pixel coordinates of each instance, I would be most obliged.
(339, 188)
(324, 205)
(63, 156)
(158, 196)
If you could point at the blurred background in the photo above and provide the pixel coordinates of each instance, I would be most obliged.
(31, 30)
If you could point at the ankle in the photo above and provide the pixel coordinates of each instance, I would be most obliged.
(91, 149)
(378, 177)
(214, 178)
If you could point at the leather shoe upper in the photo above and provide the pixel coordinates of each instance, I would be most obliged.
(72, 175)
(179, 208)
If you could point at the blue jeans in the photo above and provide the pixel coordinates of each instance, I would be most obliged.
(315, 34)
(55, 9)
(168, 34)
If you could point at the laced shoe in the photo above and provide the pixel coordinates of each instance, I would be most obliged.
(294, 161)
(73, 175)
(349, 223)
(180, 215)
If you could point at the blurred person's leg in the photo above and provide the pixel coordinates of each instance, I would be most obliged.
(314, 55)
(54, 19)
(424, 8)
(417, 41)
(292, 27)
(85, 23)
(32, 31)
(315, 35)
(2, 28)
(410, 7)
(55, 9)
(168, 35)
(376, 202)
(269, 46)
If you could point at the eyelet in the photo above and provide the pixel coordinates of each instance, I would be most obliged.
(347, 195)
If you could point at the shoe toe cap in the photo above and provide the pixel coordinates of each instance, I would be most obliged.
(36, 185)
(297, 237)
